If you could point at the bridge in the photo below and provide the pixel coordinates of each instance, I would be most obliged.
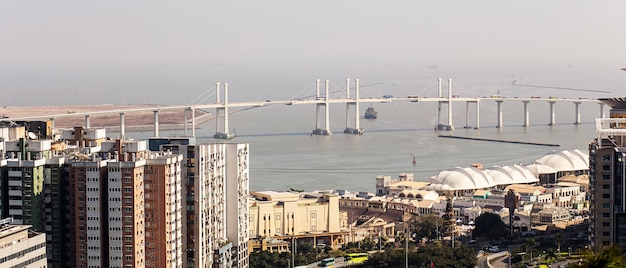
(322, 101)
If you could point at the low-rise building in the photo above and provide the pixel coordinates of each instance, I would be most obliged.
(306, 217)
(21, 247)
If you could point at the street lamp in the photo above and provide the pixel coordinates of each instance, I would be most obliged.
(293, 251)
(472, 226)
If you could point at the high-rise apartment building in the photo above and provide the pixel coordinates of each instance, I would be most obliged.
(114, 203)
(32, 188)
(125, 207)
(87, 212)
(237, 198)
(215, 213)
(607, 178)
(163, 210)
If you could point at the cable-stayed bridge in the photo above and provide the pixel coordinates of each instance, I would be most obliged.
(322, 98)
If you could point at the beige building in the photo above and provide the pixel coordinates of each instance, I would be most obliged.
(309, 218)
(21, 247)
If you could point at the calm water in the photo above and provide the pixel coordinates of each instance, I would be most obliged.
(284, 155)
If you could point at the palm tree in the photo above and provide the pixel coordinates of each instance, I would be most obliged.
(609, 257)
(559, 240)
(530, 243)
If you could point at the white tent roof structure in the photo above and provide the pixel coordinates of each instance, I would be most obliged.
(567, 160)
(515, 174)
(463, 179)
(540, 169)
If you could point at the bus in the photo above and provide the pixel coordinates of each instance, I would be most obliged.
(355, 258)
(328, 262)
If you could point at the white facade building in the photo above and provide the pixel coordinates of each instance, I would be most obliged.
(20, 247)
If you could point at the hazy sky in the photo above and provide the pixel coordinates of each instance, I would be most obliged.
(68, 52)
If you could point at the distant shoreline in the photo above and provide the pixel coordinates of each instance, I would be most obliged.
(134, 121)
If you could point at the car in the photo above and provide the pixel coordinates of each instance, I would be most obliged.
(493, 249)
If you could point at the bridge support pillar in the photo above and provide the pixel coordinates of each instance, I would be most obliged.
(193, 122)
(577, 111)
(185, 122)
(449, 126)
(156, 123)
(225, 134)
(477, 114)
(466, 115)
(356, 129)
(601, 110)
(467, 104)
(499, 125)
(450, 104)
(122, 126)
(526, 114)
(87, 122)
(552, 115)
(326, 130)
(357, 123)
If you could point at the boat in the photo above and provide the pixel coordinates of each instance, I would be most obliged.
(370, 113)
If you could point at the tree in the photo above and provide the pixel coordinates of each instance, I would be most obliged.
(530, 243)
(489, 225)
(559, 240)
(609, 257)
(439, 255)
(427, 227)
(266, 259)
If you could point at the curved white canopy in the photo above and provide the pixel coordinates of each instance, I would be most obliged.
(511, 175)
(567, 160)
(468, 178)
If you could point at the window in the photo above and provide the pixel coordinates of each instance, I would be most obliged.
(606, 205)
(606, 177)
(606, 215)
(606, 186)
(606, 234)
(313, 213)
(606, 167)
(606, 158)
(606, 224)
(606, 195)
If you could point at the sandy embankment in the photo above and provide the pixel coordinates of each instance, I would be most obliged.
(69, 116)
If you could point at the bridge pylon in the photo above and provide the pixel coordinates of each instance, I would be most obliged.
(223, 110)
(318, 131)
(356, 130)
(448, 126)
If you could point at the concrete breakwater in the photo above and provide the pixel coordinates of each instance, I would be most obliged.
(496, 140)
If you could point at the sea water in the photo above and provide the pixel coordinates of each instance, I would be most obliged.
(284, 155)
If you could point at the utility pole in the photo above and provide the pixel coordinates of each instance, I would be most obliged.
(380, 243)
(406, 242)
